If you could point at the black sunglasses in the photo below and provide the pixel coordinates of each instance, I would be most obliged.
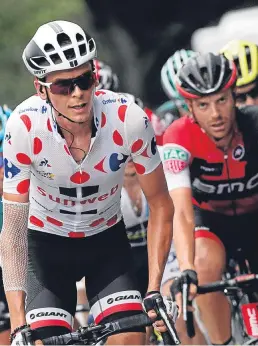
(253, 93)
(66, 86)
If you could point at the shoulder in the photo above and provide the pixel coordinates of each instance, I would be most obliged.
(31, 105)
(27, 113)
(110, 98)
(179, 131)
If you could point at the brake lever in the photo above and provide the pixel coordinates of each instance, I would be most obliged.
(187, 315)
(161, 311)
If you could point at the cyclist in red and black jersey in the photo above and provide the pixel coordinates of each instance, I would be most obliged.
(211, 162)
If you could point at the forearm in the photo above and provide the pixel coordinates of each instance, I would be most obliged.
(184, 240)
(14, 258)
(160, 231)
(16, 305)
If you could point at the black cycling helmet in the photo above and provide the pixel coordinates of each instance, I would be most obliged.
(206, 74)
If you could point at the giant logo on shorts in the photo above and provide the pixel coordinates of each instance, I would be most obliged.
(123, 297)
(129, 300)
(49, 317)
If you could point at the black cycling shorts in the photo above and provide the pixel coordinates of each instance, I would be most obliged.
(4, 312)
(56, 263)
(232, 232)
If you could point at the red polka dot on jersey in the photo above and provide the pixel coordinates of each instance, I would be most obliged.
(117, 138)
(37, 147)
(54, 221)
(121, 112)
(100, 92)
(137, 145)
(80, 177)
(97, 222)
(35, 221)
(100, 166)
(76, 234)
(103, 119)
(112, 221)
(23, 158)
(139, 168)
(49, 127)
(23, 186)
(26, 120)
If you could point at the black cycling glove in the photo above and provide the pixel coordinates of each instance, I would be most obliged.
(188, 276)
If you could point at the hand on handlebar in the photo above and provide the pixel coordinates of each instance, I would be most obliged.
(151, 307)
(184, 289)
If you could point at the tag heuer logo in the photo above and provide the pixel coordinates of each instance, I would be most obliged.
(175, 153)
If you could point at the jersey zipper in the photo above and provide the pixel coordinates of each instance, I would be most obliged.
(233, 202)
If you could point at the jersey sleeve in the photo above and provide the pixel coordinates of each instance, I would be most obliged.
(176, 155)
(141, 141)
(17, 154)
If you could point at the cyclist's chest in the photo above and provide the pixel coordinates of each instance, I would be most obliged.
(55, 166)
(212, 163)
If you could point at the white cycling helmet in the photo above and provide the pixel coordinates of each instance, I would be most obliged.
(56, 46)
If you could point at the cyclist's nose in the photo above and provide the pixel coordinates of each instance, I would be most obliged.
(76, 91)
(214, 111)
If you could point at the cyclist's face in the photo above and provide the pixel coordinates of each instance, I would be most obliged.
(215, 113)
(77, 105)
(247, 95)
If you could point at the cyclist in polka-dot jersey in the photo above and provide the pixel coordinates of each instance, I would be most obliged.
(64, 157)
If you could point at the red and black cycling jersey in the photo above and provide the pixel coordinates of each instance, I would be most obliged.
(224, 182)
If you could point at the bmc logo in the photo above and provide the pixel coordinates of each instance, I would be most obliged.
(226, 188)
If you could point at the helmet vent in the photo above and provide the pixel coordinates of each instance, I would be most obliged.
(48, 48)
(91, 45)
(82, 48)
(217, 74)
(248, 58)
(79, 38)
(63, 39)
(56, 58)
(205, 75)
(40, 61)
(70, 54)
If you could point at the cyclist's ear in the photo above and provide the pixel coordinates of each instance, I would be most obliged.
(189, 105)
(41, 90)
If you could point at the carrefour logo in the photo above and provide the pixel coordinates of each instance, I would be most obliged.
(105, 102)
(10, 170)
